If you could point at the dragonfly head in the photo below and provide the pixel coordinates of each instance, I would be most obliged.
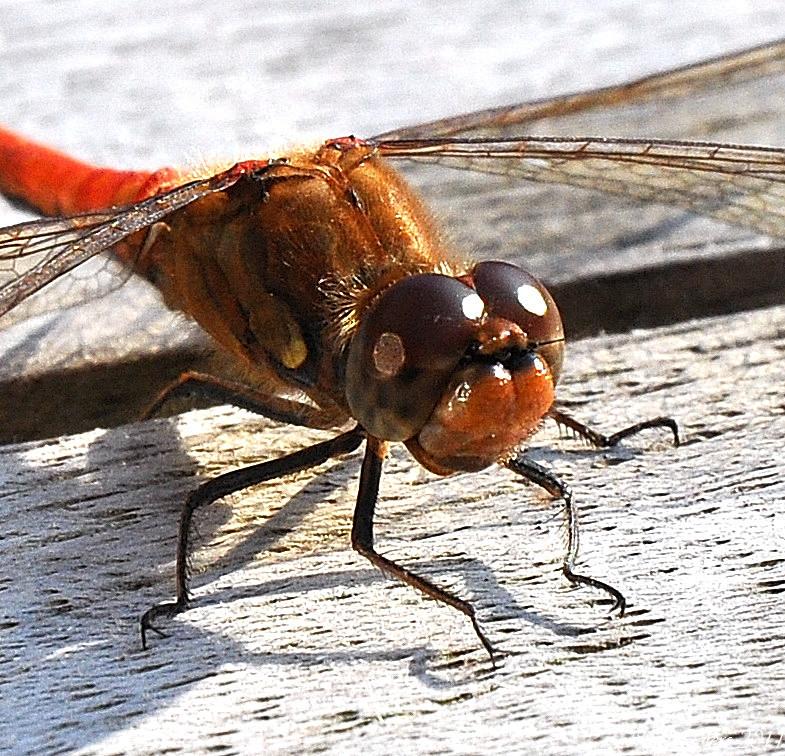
(460, 369)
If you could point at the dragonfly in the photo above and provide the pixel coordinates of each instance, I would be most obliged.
(327, 290)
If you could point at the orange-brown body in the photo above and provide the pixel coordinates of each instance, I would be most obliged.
(267, 266)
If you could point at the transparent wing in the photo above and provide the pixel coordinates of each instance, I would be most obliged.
(708, 90)
(34, 254)
(737, 184)
(25, 249)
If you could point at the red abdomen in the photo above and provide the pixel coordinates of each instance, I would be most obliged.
(55, 184)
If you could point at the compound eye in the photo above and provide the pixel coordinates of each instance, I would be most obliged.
(405, 350)
(512, 293)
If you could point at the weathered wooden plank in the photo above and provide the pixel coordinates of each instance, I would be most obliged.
(296, 644)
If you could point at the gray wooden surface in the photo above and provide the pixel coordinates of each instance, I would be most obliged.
(295, 644)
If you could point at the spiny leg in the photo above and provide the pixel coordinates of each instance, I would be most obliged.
(229, 483)
(362, 539)
(556, 487)
(224, 391)
(602, 441)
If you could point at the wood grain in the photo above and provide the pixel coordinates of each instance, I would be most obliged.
(294, 643)
(295, 640)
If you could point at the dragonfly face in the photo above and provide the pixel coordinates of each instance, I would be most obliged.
(461, 368)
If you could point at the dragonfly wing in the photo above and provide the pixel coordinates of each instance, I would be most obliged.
(744, 186)
(36, 253)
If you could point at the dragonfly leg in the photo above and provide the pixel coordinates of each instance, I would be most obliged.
(238, 394)
(602, 441)
(546, 479)
(229, 483)
(362, 539)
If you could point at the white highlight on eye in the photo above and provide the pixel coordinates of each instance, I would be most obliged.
(389, 354)
(472, 306)
(531, 300)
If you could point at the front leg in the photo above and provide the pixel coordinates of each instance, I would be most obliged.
(548, 480)
(602, 441)
(229, 483)
(362, 540)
